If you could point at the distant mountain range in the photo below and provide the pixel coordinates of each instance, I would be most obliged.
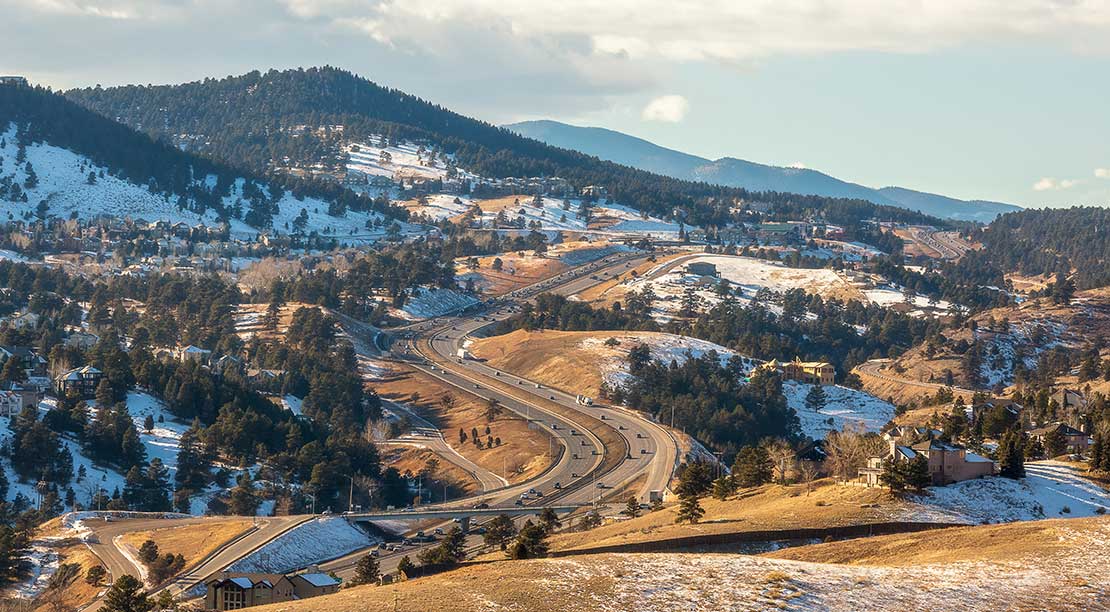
(728, 171)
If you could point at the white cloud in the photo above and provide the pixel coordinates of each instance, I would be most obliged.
(1102, 173)
(1050, 184)
(670, 109)
(730, 31)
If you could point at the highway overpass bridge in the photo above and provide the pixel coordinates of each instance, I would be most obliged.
(462, 514)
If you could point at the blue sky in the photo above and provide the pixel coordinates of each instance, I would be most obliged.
(991, 99)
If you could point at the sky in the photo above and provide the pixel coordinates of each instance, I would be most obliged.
(992, 99)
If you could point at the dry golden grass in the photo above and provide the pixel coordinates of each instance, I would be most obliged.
(549, 357)
(1005, 542)
(762, 508)
(77, 592)
(510, 202)
(194, 542)
(523, 451)
(410, 459)
(518, 270)
(611, 290)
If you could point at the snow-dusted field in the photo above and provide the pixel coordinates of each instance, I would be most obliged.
(1048, 489)
(63, 184)
(722, 582)
(433, 302)
(844, 406)
(664, 347)
(443, 206)
(315, 541)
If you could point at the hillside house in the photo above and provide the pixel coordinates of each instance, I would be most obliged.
(26, 320)
(32, 363)
(80, 339)
(313, 584)
(904, 435)
(1069, 399)
(701, 268)
(11, 403)
(194, 354)
(948, 463)
(810, 372)
(234, 591)
(29, 392)
(1075, 441)
(79, 381)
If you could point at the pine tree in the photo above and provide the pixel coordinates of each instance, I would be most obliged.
(499, 532)
(816, 398)
(1097, 450)
(126, 595)
(12, 371)
(632, 508)
(405, 566)
(243, 499)
(549, 520)
(158, 487)
(531, 542)
(689, 510)
(752, 467)
(367, 570)
(723, 487)
(1011, 456)
(917, 473)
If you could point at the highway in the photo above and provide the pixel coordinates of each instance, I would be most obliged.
(636, 457)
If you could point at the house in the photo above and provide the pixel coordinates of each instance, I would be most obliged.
(81, 339)
(948, 462)
(1069, 399)
(194, 354)
(11, 403)
(26, 320)
(701, 268)
(313, 584)
(80, 381)
(900, 434)
(811, 372)
(233, 591)
(32, 363)
(28, 392)
(13, 80)
(1075, 441)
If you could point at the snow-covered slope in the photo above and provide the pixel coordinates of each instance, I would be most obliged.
(664, 347)
(65, 187)
(843, 406)
(1050, 489)
(318, 540)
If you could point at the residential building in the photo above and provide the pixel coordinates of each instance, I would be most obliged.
(28, 392)
(13, 80)
(234, 591)
(811, 372)
(80, 381)
(194, 354)
(33, 364)
(313, 584)
(948, 462)
(701, 268)
(1075, 441)
(23, 320)
(81, 339)
(1069, 399)
(11, 403)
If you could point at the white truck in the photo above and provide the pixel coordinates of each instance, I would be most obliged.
(582, 400)
(463, 354)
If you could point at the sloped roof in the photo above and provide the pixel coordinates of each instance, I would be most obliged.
(318, 579)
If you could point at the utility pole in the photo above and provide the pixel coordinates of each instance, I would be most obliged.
(351, 496)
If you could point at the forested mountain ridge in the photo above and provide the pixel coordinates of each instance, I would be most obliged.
(729, 171)
(1071, 242)
(257, 119)
(60, 158)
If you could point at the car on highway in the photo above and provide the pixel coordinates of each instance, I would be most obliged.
(481, 506)
(558, 485)
(601, 485)
(518, 503)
